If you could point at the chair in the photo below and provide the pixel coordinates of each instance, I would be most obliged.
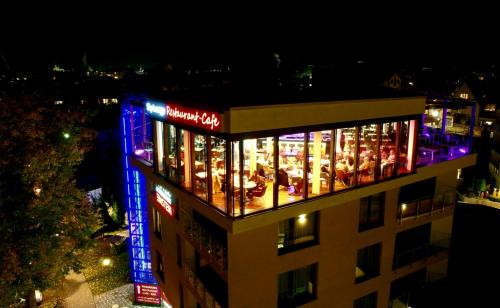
(283, 178)
(259, 191)
(341, 176)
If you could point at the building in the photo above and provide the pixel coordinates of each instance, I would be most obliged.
(234, 222)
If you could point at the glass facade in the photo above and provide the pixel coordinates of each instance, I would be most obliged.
(272, 170)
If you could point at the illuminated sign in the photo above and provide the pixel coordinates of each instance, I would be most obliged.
(157, 110)
(203, 119)
(164, 200)
(147, 294)
(189, 116)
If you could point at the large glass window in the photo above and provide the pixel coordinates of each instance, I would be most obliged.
(368, 153)
(218, 163)
(388, 150)
(318, 159)
(258, 166)
(345, 156)
(297, 287)
(291, 179)
(172, 153)
(371, 212)
(298, 232)
(368, 263)
(186, 151)
(236, 180)
(200, 166)
(160, 148)
(142, 144)
(406, 146)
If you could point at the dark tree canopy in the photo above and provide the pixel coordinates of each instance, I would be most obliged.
(45, 219)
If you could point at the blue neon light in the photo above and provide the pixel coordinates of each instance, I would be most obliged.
(140, 257)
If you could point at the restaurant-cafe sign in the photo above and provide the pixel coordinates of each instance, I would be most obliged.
(164, 201)
(207, 120)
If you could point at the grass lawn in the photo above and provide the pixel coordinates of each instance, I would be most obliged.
(105, 278)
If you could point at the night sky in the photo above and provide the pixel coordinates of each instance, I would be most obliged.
(145, 34)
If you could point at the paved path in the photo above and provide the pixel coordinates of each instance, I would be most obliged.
(120, 297)
(76, 292)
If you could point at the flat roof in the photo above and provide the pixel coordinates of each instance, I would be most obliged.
(221, 99)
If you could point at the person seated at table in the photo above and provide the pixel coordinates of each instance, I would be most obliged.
(341, 165)
(350, 164)
(365, 165)
(283, 178)
(392, 156)
(258, 179)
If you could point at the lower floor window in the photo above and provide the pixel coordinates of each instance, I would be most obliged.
(297, 287)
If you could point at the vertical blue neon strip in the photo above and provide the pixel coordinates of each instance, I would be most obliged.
(140, 257)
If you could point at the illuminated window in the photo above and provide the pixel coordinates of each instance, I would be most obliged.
(490, 107)
(464, 95)
(298, 232)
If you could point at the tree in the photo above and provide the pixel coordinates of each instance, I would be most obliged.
(45, 220)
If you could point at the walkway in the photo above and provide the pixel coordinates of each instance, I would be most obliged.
(120, 297)
(76, 292)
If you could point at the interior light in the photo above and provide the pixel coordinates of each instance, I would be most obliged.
(302, 219)
(434, 113)
(403, 206)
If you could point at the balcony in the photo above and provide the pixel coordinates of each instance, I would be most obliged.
(414, 209)
(199, 290)
(421, 252)
(214, 252)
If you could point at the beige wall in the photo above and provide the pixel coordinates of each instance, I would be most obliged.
(254, 264)
(295, 115)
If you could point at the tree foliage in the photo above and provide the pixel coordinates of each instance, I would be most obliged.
(45, 219)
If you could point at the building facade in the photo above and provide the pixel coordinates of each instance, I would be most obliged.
(328, 203)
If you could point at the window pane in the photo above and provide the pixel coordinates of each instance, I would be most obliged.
(235, 180)
(218, 160)
(407, 146)
(159, 140)
(368, 263)
(172, 153)
(186, 151)
(388, 150)
(200, 167)
(345, 152)
(291, 168)
(368, 153)
(319, 162)
(297, 287)
(297, 232)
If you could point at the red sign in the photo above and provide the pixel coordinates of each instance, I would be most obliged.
(147, 294)
(164, 205)
(204, 119)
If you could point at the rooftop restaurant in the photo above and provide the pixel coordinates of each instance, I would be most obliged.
(248, 159)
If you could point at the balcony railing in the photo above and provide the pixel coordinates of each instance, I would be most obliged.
(206, 244)
(421, 252)
(426, 205)
(204, 297)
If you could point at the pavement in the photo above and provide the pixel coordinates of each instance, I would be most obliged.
(76, 292)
